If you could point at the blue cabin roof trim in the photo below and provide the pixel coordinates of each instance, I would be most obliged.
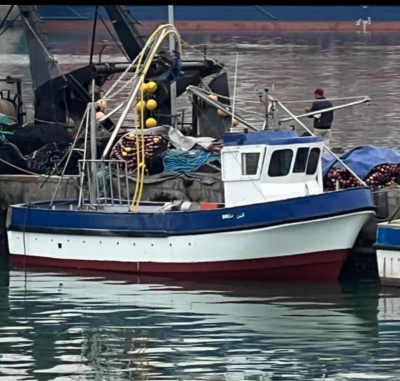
(270, 137)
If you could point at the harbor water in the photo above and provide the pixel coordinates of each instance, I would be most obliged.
(101, 326)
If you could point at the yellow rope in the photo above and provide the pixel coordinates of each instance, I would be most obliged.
(142, 165)
(136, 123)
(140, 156)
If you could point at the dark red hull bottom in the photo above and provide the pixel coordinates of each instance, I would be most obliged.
(319, 267)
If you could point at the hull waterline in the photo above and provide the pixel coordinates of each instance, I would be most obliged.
(318, 266)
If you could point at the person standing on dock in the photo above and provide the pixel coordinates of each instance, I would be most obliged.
(322, 121)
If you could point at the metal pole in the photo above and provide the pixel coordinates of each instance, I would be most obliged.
(84, 118)
(275, 120)
(131, 98)
(326, 147)
(82, 170)
(93, 34)
(173, 84)
(266, 108)
(193, 90)
(234, 95)
(195, 105)
(364, 100)
(93, 148)
(19, 102)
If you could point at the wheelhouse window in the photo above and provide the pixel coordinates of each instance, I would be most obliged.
(313, 159)
(250, 163)
(281, 161)
(300, 162)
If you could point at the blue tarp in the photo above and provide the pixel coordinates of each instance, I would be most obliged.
(361, 159)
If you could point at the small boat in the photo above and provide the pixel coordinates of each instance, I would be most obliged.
(276, 221)
(387, 247)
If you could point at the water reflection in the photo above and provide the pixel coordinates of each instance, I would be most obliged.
(112, 326)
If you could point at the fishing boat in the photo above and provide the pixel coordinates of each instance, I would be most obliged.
(299, 233)
(276, 221)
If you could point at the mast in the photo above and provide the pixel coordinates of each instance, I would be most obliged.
(93, 148)
(173, 84)
(43, 66)
(124, 25)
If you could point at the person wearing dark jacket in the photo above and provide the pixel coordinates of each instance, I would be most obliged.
(322, 121)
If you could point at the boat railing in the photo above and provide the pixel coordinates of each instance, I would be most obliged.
(363, 99)
(107, 188)
(296, 118)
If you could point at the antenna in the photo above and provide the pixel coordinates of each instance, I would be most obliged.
(172, 85)
(234, 94)
(266, 109)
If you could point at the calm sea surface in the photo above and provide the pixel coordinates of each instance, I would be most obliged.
(60, 326)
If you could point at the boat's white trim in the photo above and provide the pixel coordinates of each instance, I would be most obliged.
(333, 233)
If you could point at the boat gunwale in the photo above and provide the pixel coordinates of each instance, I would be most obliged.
(164, 233)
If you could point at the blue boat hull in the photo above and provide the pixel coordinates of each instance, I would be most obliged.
(38, 217)
(235, 17)
(233, 12)
(303, 239)
(387, 247)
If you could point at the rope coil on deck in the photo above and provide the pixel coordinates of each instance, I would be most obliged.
(187, 161)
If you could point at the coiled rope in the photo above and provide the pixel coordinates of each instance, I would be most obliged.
(187, 161)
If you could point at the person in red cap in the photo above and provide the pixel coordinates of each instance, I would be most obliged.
(322, 121)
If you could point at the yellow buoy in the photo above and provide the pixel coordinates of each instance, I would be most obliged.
(140, 105)
(151, 104)
(213, 97)
(143, 87)
(151, 87)
(151, 122)
(222, 113)
(102, 103)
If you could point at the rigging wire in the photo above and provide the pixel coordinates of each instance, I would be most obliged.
(234, 91)
(96, 11)
(11, 24)
(6, 16)
(113, 37)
